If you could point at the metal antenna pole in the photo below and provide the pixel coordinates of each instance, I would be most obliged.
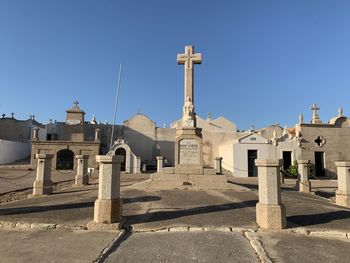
(116, 105)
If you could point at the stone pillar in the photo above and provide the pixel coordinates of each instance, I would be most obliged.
(342, 196)
(160, 160)
(108, 206)
(218, 165)
(43, 184)
(304, 183)
(270, 212)
(144, 167)
(97, 134)
(82, 177)
(137, 165)
(36, 133)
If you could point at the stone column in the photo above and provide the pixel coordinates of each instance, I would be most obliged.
(342, 196)
(270, 212)
(82, 177)
(218, 165)
(108, 206)
(137, 165)
(304, 183)
(97, 134)
(36, 133)
(160, 163)
(43, 184)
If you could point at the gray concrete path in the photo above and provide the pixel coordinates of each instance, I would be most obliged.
(184, 247)
(52, 246)
(293, 248)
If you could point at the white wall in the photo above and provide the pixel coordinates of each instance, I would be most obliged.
(240, 156)
(226, 152)
(11, 151)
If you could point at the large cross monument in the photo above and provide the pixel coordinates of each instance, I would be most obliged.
(189, 141)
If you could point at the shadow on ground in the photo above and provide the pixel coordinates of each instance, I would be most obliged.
(167, 215)
(316, 219)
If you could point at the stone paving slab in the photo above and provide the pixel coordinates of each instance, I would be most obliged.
(52, 246)
(184, 247)
(293, 248)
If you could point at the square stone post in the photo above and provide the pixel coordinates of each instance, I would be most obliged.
(218, 165)
(43, 184)
(304, 183)
(137, 165)
(342, 196)
(160, 163)
(270, 212)
(82, 177)
(108, 206)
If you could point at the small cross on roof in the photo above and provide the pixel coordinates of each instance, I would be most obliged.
(76, 102)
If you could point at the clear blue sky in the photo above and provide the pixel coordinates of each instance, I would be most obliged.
(263, 61)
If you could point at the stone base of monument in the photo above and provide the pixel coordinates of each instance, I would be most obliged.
(271, 216)
(342, 199)
(204, 171)
(189, 181)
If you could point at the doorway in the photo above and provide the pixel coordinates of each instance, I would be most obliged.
(319, 164)
(65, 160)
(252, 169)
(122, 152)
(287, 160)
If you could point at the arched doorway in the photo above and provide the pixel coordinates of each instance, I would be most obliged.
(121, 151)
(65, 160)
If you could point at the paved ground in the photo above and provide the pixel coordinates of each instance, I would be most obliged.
(190, 247)
(52, 246)
(291, 248)
(17, 179)
(153, 210)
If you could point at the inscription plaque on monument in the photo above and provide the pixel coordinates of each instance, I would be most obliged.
(188, 149)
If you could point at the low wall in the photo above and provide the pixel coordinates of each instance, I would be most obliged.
(11, 151)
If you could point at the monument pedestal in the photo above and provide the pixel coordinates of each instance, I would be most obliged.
(188, 151)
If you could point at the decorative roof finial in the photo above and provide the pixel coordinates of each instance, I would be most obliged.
(340, 112)
(12, 115)
(315, 118)
(76, 102)
(93, 120)
(209, 117)
(301, 118)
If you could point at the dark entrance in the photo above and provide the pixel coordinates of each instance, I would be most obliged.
(319, 164)
(252, 169)
(121, 151)
(65, 160)
(287, 160)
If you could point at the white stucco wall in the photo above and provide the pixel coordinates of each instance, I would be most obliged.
(240, 156)
(11, 151)
(226, 152)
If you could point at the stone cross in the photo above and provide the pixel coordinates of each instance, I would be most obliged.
(315, 117)
(188, 59)
(76, 103)
(3, 115)
(12, 115)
